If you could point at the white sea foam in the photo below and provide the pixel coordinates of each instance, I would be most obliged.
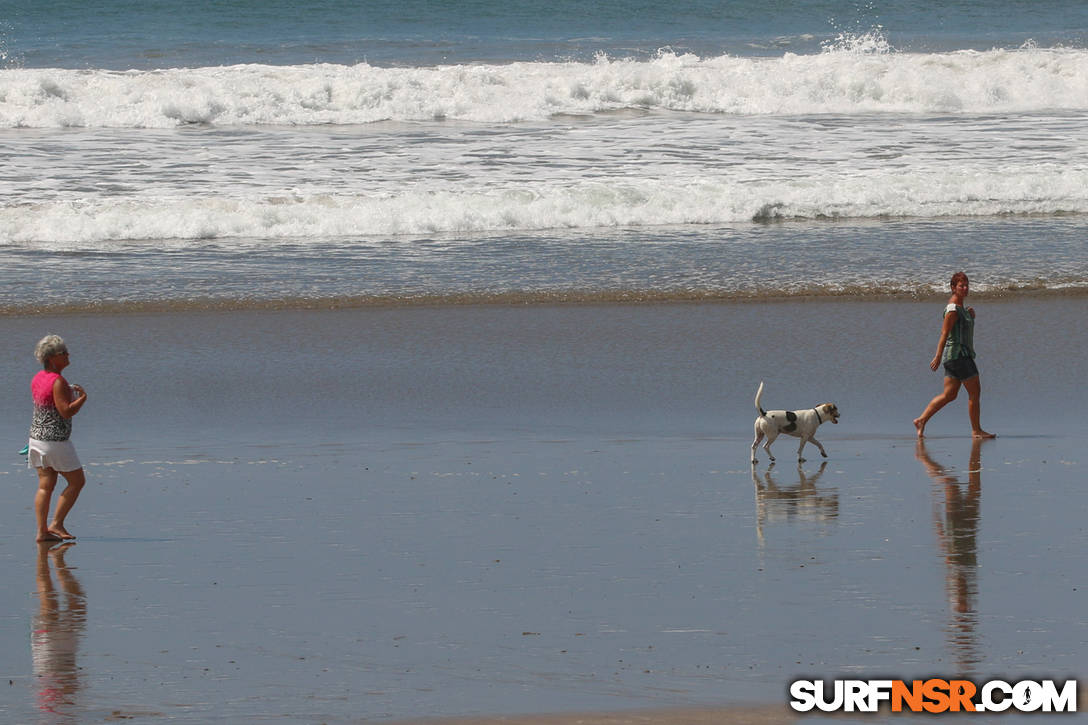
(851, 77)
(585, 204)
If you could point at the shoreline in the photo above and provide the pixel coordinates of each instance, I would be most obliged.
(520, 582)
(686, 366)
(545, 298)
(459, 514)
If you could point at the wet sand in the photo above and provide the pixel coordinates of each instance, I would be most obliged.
(771, 715)
(505, 512)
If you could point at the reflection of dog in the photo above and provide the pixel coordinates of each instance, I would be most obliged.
(787, 502)
(800, 423)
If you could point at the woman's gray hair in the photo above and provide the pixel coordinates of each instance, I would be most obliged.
(49, 346)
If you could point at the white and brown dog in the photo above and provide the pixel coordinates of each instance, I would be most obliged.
(800, 423)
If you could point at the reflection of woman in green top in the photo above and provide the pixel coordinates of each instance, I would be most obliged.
(956, 350)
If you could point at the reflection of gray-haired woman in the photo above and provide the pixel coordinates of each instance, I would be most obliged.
(50, 450)
(955, 349)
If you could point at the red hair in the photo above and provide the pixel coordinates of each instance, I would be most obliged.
(957, 278)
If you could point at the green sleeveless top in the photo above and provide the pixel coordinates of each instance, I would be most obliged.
(960, 342)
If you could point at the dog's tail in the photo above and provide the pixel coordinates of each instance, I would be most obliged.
(759, 395)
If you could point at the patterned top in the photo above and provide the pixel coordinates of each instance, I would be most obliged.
(47, 424)
(960, 342)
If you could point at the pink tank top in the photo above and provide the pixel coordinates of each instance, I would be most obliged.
(47, 424)
(41, 388)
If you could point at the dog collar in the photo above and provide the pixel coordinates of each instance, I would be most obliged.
(817, 412)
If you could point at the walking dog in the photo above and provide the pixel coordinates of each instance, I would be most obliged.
(799, 423)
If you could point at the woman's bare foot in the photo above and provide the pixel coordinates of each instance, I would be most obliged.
(49, 537)
(982, 434)
(58, 530)
(920, 426)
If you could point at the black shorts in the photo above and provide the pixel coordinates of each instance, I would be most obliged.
(963, 368)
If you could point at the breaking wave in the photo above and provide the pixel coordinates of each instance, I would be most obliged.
(855, 75)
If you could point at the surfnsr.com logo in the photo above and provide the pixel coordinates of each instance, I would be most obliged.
(933, 696)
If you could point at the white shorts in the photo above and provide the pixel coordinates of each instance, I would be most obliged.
(58, 455)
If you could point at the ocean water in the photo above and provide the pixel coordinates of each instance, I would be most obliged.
(546, 508)
(251, 153)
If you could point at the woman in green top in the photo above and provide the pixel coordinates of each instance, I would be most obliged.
(956, 351)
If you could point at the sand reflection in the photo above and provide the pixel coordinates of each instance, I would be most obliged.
(956, 522)
(789, 502)
(56, 629)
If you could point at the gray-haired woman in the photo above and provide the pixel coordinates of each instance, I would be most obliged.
(49, 449)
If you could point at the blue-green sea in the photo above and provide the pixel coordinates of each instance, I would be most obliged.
(245, 153)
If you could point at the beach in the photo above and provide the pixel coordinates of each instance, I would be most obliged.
(410, 512)
(421, 342)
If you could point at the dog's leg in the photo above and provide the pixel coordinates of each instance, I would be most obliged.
(800, 458)
(767, 446)
(755, 443)
(817, 443)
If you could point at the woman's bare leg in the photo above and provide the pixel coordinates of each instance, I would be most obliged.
(47, 480)
(67, 499)
(974, 408)
(951, 390)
